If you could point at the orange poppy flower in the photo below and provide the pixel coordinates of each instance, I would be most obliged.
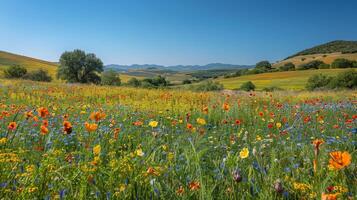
(180, 190)
(317, 143)
(28, 114)
(97, 115)
(67, 127)
(329, 196)
(194, 185)
(12, 126)
(45, 123)
(205, 109)
(116, 133)
(339, 160)
(189, 126)
(42, 112)
(35, 118)
(91, 127)
(307, 119)
(138, 123)
(225, 106)
(238, 122)
(44, 130)
(152, 171)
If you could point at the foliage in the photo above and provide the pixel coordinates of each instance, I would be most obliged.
(206, 74)
(247, 86)
(38, 75)
(207, 86)
(317, 81)
(272, 88)
(263, 65)
(342, 63)
(186, 81)
(330, 47)
(343, 80)
(110, 77)
(15, 71)
(77, 66)
(134, 82)
(347, 79)
(156, 82)
(310, 65)
(324, 66)
(287, 67)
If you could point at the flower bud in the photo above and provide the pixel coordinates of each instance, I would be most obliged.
(237, 177)
(278, 186)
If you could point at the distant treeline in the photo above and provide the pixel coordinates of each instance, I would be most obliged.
(265, 67)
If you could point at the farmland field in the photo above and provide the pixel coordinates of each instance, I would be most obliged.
(291, 80)
(73, 141)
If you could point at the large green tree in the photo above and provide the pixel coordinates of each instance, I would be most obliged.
(263, 65)
(77, 66)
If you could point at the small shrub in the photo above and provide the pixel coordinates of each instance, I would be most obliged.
(271, 89)
(110, 77)
(207, 86)
(287, 67)
(247, 86)
(15, 71)
(186, 81)
(317, 81)
(347, 79)
(38, 75)
(324, 66)
(134, 82)
(341, 63)
(311, 65)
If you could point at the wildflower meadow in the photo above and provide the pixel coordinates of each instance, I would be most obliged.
(68, 141)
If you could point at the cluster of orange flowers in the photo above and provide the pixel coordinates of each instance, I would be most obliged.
(338, 159)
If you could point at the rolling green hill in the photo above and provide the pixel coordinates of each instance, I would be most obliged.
(330, 47)
(9, 59)
(326, 58)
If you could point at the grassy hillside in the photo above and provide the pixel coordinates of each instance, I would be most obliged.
(330, 47)
(326, 58)
(291, 80)
(8, 59)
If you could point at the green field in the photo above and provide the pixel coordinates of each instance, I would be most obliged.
(291, 80)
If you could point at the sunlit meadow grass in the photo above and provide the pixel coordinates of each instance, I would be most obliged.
(289, 80)
(60, 141)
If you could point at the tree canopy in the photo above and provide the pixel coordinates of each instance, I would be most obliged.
(77, 66)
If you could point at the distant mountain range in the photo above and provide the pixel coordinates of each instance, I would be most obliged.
(181, 68)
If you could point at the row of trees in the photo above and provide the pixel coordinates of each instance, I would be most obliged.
(266, 66)
(156, 82)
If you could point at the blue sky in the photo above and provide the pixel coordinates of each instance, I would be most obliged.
(174, 32)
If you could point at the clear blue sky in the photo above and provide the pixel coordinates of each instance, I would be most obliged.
(174, 32)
